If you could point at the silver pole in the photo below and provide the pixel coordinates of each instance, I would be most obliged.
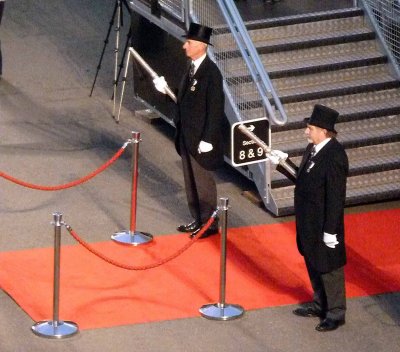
(57, 249)
(221, 310)
(150, 71)
(135, 156)
(56, 328)
(132, 236)
(223, 206)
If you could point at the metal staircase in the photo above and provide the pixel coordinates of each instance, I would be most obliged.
(333, 58)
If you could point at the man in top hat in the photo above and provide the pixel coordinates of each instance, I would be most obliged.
(198, 121)
(319, 199)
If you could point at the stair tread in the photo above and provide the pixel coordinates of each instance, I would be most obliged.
(385, 182)
(301, 18)
(363, 157)
(355, 78)
(297, 33)
(349, 131)
(307, 58)
(345, 104)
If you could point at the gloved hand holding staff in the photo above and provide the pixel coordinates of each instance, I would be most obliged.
(159, 82)
(276, 156)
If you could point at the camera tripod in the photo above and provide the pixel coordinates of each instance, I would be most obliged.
(117, 12)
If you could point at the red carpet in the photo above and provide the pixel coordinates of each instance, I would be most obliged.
(263, 270)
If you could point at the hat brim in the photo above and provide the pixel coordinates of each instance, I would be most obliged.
(198, 39)
(307, 120)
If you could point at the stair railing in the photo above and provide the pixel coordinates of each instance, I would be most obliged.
(249, 54)
(253, 61)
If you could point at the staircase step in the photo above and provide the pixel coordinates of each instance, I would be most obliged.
(351, 133)
(300, 35)
(324, 84)
(367, 159)
(301, 61)
(304, 18)
(350, 107)
(367, 188)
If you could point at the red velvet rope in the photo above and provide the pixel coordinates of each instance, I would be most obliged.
(141, 267)
(69, 184)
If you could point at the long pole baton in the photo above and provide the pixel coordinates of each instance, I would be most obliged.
(150, 71)
(266, 148)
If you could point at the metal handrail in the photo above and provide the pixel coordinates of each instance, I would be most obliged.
(252, 59)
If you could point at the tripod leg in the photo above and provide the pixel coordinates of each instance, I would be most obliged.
(104, 47)
(118, 28)
(121, 64)
(123, 86)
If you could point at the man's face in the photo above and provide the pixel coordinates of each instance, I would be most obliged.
(194, 49)
(315, 134)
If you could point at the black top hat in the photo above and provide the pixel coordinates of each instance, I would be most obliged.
(323, 117)
(199, 33)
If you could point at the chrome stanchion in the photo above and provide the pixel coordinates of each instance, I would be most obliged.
(222, 310)
(132, 236)
(56, 328)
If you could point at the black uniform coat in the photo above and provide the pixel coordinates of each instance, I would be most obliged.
(200, 112)
(319, 206)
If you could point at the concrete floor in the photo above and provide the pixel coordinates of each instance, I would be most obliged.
(52, 132)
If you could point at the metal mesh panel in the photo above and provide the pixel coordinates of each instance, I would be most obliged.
(207, 12)
(173, 7)
(387, 14)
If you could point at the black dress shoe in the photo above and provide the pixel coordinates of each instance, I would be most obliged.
(308, 312)
(193, 226)
(329, 325)
(209, 232)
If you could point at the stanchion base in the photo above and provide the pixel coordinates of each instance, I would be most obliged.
(218, 311)
(133, 238)
(55, 330)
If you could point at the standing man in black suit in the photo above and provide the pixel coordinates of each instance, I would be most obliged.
(198, 122)
(319, 200)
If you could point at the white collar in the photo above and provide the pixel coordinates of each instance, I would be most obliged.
(198, 62)
(322, 144)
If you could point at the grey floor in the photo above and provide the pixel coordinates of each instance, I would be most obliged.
(52, 132)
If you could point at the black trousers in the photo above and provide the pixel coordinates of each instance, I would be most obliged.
(201, 190)
(329, 292)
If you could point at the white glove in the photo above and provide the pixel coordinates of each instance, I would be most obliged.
(275, 156)
(330, 240)
(160, 84)
(204, 147)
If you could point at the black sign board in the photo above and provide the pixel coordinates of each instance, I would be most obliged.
(245, 150)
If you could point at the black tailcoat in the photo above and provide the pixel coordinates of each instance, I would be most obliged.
(200, 113)
(319, 206)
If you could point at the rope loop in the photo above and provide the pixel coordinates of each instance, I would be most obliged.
(69, 184)
(141, 267)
